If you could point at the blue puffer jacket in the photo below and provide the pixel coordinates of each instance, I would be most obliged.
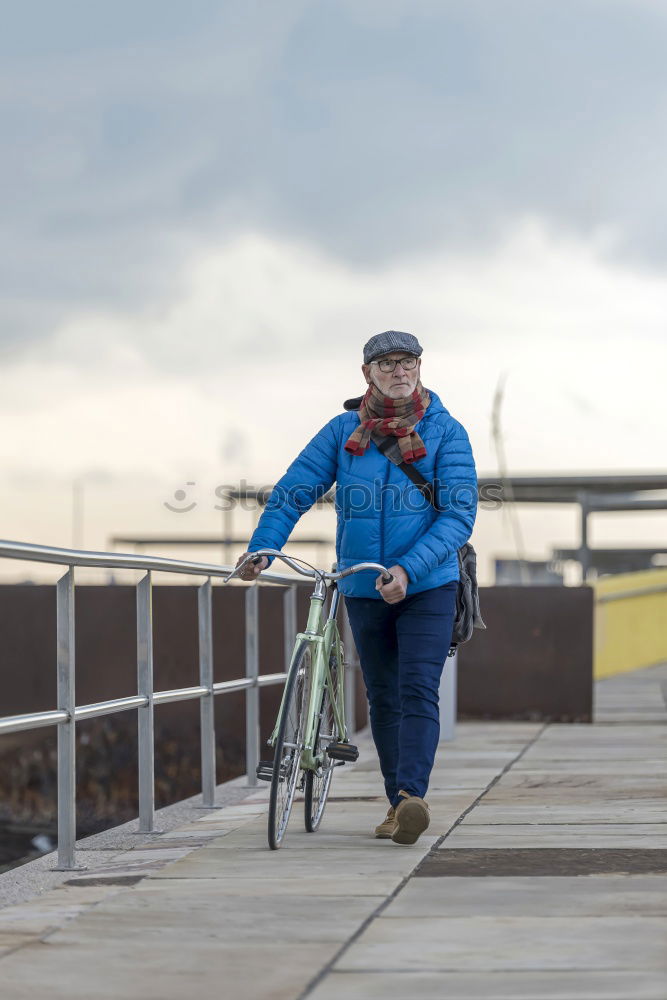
(382, 516)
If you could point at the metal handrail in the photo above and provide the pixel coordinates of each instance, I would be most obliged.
(67, 713)
(31, 720)
(108, 560)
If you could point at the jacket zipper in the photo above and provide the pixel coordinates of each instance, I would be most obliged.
(382, 513)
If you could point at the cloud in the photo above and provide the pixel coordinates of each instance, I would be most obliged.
(269, 334)
(137, 138)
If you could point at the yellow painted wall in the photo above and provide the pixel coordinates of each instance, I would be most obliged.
(630, 631)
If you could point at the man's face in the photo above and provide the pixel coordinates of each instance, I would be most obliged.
(397, 384)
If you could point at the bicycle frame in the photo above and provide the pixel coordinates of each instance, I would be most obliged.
(322, 639)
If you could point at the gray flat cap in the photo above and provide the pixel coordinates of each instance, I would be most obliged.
(390, 340)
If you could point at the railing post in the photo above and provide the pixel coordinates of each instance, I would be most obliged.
(448, 696)
(289, 623)
(252, 671)
(349, 694)
(66, 730)
(146, 760)
(207, 703)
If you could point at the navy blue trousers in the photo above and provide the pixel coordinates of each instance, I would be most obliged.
(402, 650)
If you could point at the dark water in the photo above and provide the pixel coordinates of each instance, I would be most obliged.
(107, 792)
(106, 769)
(20, 843)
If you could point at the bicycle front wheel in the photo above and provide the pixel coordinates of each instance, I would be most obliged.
(318, 783)
(289, 745)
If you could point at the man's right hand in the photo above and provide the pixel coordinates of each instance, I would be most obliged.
(252, 570)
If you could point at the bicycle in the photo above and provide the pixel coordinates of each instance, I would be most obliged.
(310, 735)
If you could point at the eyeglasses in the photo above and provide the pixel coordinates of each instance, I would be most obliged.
(388, 364)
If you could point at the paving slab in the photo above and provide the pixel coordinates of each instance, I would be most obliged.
(163, 969)
(606, 767)
(545, 786)
(578, 812)
(570, 985)
(640, 835)
(259, 886)
(583, 896)
(510, 943)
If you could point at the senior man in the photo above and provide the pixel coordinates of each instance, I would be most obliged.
(402, 629)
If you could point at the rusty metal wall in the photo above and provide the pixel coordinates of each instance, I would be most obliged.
(535, 659)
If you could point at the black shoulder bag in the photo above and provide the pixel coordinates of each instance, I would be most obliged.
(468, 615)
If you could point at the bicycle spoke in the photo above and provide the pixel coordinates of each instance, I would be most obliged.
(289, 746)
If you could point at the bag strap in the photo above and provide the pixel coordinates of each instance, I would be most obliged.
(414, 474)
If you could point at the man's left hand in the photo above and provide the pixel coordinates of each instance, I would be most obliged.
(393, 592)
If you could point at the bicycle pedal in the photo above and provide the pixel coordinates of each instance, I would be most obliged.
(264, 770)
(343, 751)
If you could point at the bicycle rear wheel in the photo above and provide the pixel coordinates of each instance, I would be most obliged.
(289, 745)
(318, 783)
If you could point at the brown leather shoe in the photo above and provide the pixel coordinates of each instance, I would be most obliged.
(386, 828)
(412, 818)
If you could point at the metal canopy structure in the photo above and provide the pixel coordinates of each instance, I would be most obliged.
(618, 560)
(594, 494)
(568, 489)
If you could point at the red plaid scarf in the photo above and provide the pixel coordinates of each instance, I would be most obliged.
(385, 415)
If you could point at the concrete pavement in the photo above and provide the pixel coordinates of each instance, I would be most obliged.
(544, 875)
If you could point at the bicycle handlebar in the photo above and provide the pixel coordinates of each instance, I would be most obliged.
(291, 561)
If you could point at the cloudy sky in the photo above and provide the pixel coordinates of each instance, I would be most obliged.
(208, 208)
